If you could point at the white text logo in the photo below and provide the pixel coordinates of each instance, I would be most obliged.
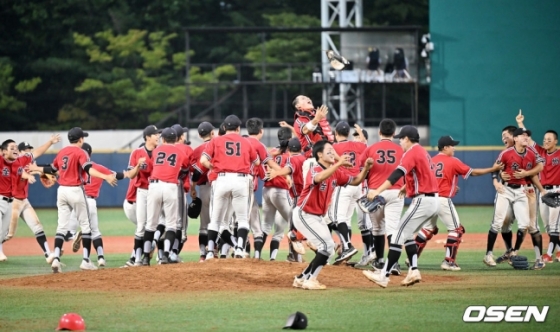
(513, 314)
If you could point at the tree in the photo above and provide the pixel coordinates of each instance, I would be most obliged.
(7, 101)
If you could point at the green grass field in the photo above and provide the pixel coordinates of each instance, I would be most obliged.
(423, 307)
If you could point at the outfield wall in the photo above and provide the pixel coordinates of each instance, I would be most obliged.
(476, 190)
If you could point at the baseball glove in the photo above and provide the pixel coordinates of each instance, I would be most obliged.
(368, 206)
(519, 262)
(47, 180)
(338, 62)
(194, 208)
(551, 199)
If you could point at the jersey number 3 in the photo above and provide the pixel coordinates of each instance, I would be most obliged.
(161, 157)
(233, 149)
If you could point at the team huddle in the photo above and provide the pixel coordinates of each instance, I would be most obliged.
(313, 180)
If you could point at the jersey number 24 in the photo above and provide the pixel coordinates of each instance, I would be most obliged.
(162, 156)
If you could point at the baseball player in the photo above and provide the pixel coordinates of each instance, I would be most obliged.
(92, 187)
(13, 188)
(344, 198)
(313, 205)
(421, 185)
(448, 168)
(232, 158)
(550, 180)
(73, 166)
(151, 137)
(276, 197)
(387, 156)
(167, 162)
(310, 126)
(200, 177)
(520, 163)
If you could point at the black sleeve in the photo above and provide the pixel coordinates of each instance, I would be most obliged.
(48, 169)
(119, 175)
(196, 176)
(395, 176)
(87, 168)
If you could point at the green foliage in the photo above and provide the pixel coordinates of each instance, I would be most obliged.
(288, 48)
(7, 101)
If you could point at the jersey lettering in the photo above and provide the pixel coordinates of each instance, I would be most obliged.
(529, 165)
(439, 170)
(515, 167)
(64, 162)
(278, 159)
(161, 157)
(386, 157)
(555, 161)
(5, 171)
(323, 186)
(352, 158)
(20, 170)
(233, 148)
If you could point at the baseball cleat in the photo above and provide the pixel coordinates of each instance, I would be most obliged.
(412, 277)
(101, 262)
(449, 266)
(539, 265)
(557, 259)
(378, 264)
(546, 258)
(164, 260)
(313, 284)
(3, 257)
(77, 242)
(396, 270)
(145, 260)
(363, 262)
(298, 282)
(209, 255)
(489, 260)
(346, 254)
(173, 258)
(239, 253)
(55, 266)
(202, 259)
(87, 266)
(50, 258)
(377, 277)
(504, 258)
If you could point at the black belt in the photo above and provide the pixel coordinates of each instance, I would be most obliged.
(238, 174)
(130, 202)
(426, 195)
(550, 186)
(91, 197)
(7, 199)
(203, 183)
(514, 186)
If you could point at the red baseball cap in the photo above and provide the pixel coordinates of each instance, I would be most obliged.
(71, 322)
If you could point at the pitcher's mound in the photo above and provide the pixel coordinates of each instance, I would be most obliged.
(214, 275)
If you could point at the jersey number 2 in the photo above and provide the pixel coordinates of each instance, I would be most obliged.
(233, 148)
(161, 156)
(439, 170)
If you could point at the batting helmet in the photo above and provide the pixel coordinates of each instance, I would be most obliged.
(194, 208)
(71, 322)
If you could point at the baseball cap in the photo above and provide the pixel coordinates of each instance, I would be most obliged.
(363, 132)
(520, 131)
(151, 130)
(24, 145)
(169, 134)
(446, 141)
(205, 128)
(408, 131)
(294, 145)
(76, 133)
(296, 321)
(178, 129)
(232, 122)
(342, 128)
(222, 129)
(86, 147)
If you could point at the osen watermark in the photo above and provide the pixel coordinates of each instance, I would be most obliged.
(499, 313)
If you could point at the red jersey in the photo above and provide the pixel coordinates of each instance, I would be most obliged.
(197, 166)
(264, 156)
(279, 181)
(315, 198)
(145, 170)
(295, 163)
(131, 192)
(19, 185)
(417, 166)
(354, 150)
(93, 184)
(447, 171)
(311, 137)
(70, 163)
(386, 157)
(514, 161)
(167, 163)
(550, 175)
(231, 153)
(184, 176)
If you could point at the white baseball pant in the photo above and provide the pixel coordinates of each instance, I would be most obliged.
(343, 204)
(162, 197)
(533, 200)
(512, 200)
(315, 230)
(421, 210)
(276, 200)
(204, 193)
(5, 218)
(72, 199)
(130, 211)
(141, 211)
(23, 209)
(255, 218)
(386, 219)
(551, 216)
(447, 214)
(93, 219)
(230, 189)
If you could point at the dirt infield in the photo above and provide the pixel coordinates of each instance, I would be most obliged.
(215, 275)
(123, 244)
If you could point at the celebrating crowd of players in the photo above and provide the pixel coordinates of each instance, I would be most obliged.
(311, 184)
